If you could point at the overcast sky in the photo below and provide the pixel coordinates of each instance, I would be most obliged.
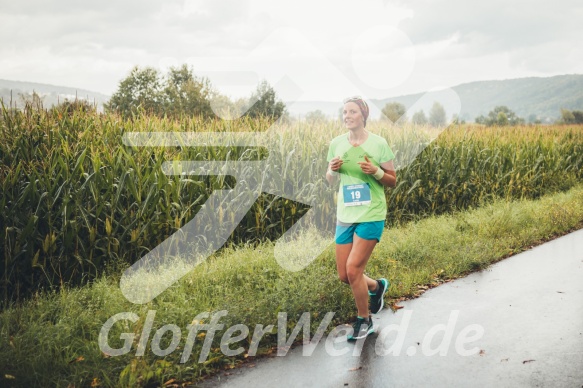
(326, 49)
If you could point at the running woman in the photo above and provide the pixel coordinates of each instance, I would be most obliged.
(364, 164)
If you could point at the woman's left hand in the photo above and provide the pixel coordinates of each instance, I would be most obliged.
(367, 167)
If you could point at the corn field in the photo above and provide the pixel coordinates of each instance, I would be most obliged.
(75, 199)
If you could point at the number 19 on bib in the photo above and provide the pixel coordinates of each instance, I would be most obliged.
(356, 195)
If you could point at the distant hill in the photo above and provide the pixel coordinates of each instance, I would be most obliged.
(531, 97)
(50, 94)
(537, 97)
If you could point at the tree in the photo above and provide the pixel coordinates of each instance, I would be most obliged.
(175, 94)
(571, 117)
(315, 116)
(69, 107)
(186, 94)
(567, 117)
(223, 107)
(395, 111)
(501, 119)
(501, 116)
(419, 118)
(437, 115)
(141, 89)
(264, 103)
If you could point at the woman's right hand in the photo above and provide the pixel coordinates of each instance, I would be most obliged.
(335, 164)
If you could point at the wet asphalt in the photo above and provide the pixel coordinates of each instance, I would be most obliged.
(518, 323)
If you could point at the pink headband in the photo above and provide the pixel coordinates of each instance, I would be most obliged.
(361, 104)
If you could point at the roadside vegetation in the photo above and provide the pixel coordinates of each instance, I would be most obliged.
(52, 339)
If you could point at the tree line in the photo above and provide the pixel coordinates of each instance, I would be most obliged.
(499, 116)
(180, 93)
(571, 117)
(397, 113)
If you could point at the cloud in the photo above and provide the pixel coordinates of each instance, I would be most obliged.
(499, 25)
(86, 45)
(127, 9)
(94, 45)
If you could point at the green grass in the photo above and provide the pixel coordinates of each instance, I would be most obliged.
(42, 340)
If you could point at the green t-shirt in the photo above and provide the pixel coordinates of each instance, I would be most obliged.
(378, 151)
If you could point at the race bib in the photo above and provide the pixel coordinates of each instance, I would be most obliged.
(356, 195)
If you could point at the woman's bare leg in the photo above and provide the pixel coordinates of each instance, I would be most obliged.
(355, 265)
(342, 253)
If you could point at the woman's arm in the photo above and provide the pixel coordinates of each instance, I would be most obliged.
(390, 177)
(333, 168)
(330, 178)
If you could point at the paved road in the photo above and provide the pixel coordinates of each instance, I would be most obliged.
(529, 309)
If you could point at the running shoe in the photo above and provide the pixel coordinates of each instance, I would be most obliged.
(376, 300)
(361, 328)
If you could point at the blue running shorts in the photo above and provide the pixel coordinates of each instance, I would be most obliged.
(365, 230)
